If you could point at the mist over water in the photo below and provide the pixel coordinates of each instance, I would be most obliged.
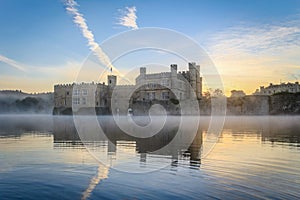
(256, 157)
(17, 102)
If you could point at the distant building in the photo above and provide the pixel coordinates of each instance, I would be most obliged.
(237, 93)
(162, 86)
(282, 87)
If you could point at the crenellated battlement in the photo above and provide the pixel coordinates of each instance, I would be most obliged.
(100, 95)
(183, 72)
(63, 85)
(77, 84)
(124, 86)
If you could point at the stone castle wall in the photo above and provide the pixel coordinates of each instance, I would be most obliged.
(162, 87)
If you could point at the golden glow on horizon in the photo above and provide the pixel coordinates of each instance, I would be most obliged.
(231, 82)
(246, 73)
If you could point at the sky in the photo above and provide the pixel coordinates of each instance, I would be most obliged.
(250, 42)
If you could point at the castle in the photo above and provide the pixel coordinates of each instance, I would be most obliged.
(157, 87)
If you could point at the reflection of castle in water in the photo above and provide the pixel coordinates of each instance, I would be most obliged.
(66, 136)
(277, 129)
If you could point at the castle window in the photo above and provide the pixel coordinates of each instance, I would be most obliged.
(151, 85)
(76, 92)
(76, 101)
(165, 95)
(165, 82)
(68, 93)
(151, 95)
(84, 92)
(84, 101)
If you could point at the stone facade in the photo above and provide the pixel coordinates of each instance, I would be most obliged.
(274, 89)
(168, 85)
(164, 86)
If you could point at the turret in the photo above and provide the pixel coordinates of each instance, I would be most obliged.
(111, 81)
(174, 70)
(198, 82)
(143, 71)
(173, 76)
(195, 79)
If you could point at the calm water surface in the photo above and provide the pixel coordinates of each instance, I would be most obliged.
(41, 157)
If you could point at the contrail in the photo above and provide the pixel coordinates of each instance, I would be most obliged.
(12, 63)
(79, 20)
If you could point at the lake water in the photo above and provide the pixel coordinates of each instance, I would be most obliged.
(42, 157)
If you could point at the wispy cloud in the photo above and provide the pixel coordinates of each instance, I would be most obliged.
(12, 63)
(248, 55)
(257, 39)
(78, 19)
(128, 17)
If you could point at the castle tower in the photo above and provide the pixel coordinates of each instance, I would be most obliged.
(111, 81)
(174, 78)
(173, 70)
(195, 79)
(143, 71)
(198, 82)
(193, 76)
(142, 75)
(140, 79)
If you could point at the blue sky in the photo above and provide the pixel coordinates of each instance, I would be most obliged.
(240, 36)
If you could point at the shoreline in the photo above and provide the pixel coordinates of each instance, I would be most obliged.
(48, 115)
